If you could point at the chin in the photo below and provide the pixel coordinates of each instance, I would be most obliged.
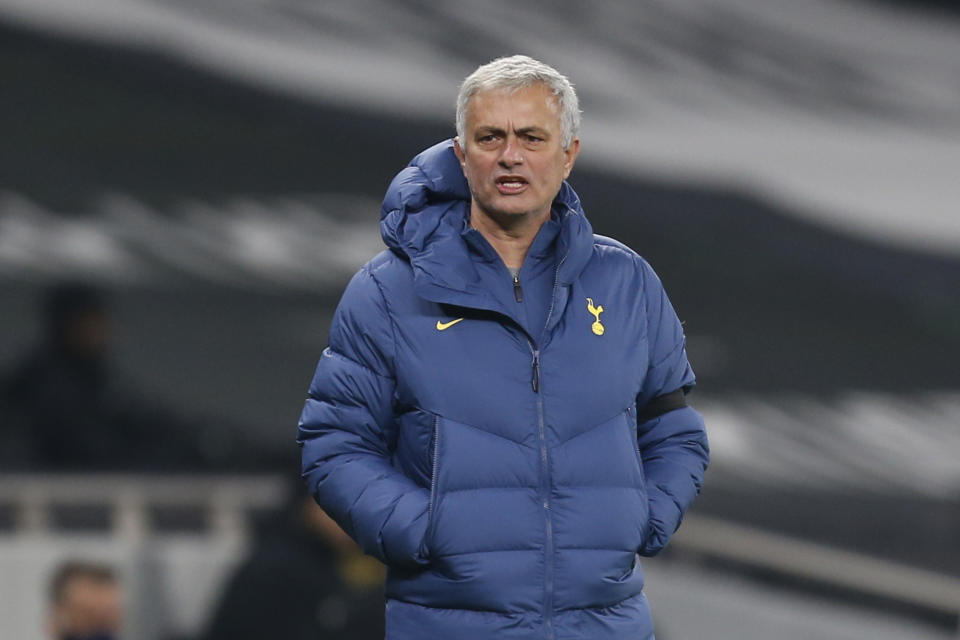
(509, 209)
(513, 209)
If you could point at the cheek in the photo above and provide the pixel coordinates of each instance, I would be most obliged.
(473, 173)
(556, 175)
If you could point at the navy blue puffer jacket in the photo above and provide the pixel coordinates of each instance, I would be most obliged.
(495, 463)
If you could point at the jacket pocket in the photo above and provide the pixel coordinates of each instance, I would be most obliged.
(434, 476)
(630, 417)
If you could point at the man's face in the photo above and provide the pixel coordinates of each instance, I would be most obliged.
(88, 608)
(88, 335)
(513, 155)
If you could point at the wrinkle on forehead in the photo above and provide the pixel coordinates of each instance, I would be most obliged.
(550, 99)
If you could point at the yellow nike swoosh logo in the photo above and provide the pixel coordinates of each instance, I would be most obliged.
(441, 326)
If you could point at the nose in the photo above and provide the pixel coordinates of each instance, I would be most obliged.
(512, 153)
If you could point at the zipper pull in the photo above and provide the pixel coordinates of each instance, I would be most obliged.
(517, 291)
(535, 379)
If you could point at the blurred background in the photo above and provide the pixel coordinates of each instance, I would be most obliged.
(186, 187)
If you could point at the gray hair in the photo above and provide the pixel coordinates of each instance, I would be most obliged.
(518, 72)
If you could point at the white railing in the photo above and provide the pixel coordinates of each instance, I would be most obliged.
(227, 502)
(790, 556)
(171, 577)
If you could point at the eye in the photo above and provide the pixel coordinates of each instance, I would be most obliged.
(532, 138)
(489, 137)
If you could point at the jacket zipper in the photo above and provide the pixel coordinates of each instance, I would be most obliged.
(535, 377)
(553, 298)
(517, 291)
(544, 460)
(545, 488)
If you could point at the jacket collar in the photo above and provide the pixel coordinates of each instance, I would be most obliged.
(423, 217)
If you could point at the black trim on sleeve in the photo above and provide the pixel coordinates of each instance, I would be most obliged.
(661, 405)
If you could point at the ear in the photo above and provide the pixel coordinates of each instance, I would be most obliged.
(571, 157)
(457, 149)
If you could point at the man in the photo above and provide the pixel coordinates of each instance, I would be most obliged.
(64, 407)
(57, 401)
(84, 603)
(304, 579)
(500, 413)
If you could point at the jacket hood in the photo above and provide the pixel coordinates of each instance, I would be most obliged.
(424, 214)
(419, 197)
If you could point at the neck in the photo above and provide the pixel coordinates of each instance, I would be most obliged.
(510, 236)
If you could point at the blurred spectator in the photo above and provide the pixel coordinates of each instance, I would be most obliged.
(85, 603)
(305, 578)
(64, 408)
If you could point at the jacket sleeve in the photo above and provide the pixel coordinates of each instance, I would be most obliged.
(346, 429)
(673, 445)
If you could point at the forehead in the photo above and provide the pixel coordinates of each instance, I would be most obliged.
(535, 105)
(83, 590)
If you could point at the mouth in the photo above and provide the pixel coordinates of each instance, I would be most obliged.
(511, 185)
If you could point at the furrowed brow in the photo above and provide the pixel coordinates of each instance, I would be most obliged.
(487, 130)
(535, 130)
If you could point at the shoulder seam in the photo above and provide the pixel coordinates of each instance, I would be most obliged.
(603, 241)
(380, 261)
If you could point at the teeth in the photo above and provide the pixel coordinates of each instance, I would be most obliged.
(512, 185)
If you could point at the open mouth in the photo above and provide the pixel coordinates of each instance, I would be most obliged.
(511, 184)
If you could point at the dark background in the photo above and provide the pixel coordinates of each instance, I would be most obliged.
(775, 306)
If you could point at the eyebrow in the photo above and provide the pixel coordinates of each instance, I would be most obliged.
(521, 131)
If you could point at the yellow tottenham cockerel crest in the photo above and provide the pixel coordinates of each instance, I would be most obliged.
(595, 311)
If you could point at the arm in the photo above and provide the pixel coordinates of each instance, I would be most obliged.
(345, 429)
(671, 435)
